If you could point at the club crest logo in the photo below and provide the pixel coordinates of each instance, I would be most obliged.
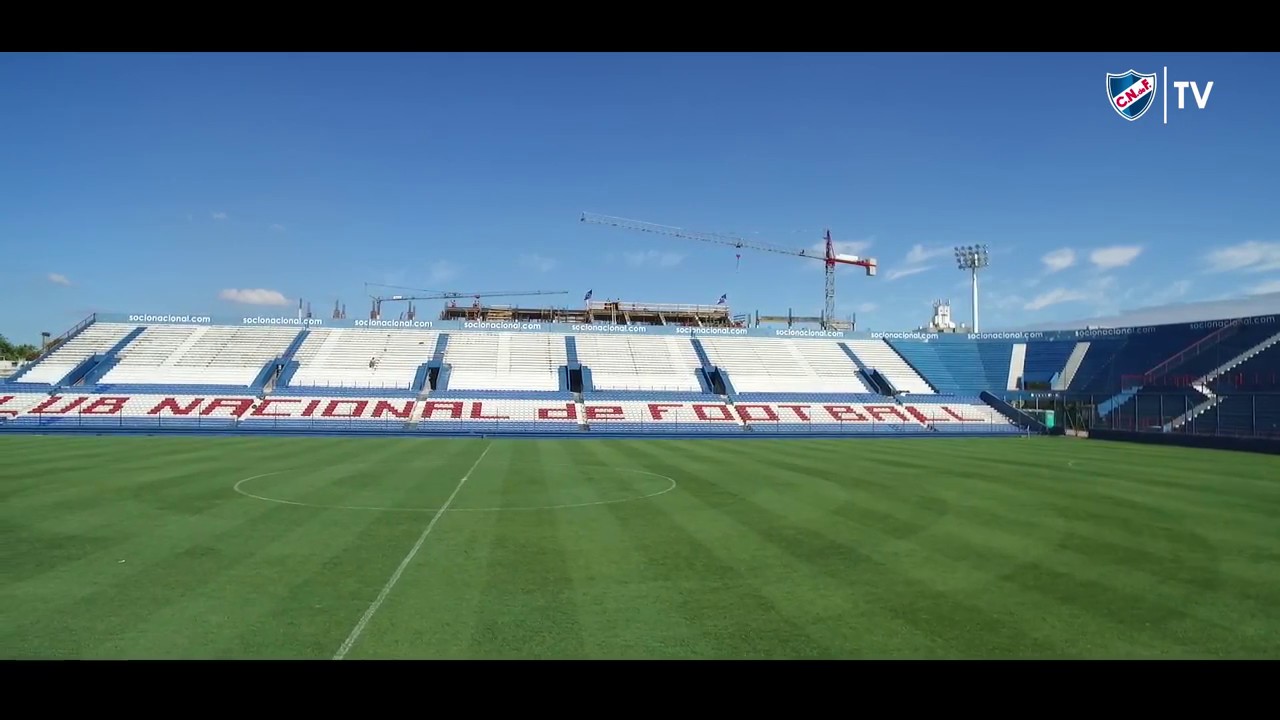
(1131, 93)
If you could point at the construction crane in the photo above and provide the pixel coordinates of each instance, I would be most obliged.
(375, 312)
(831, 258)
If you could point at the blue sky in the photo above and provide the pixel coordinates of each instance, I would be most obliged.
(170, 183)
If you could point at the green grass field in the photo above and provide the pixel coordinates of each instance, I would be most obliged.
(225, 547)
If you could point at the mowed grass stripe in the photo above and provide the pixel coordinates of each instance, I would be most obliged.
(1116, 485)
(701, 570)
(1133, 568)
(165, 564)
(791, 497)
(336, 579)
(787, 548)
(84, 473)
(505, 584)
(650, 588)
(833, 583)
(528, 606)
(954, 542)
(433, 602)
(73, 511)
(877, 586)
(1158, 481)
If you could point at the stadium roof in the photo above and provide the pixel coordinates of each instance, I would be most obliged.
(1245, 306)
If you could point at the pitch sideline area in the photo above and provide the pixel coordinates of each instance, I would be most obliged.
(966, 547)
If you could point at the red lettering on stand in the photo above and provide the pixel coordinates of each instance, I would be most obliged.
(568, 412)
(879, 411)
(239, 406)
(844, 413)
(725, 415)
(477, 413)
(331, 410)
(744, 413)
(658, 410)
(957, 416)
(606, 412)
(920, 416)
(172, 405)
(342, 408)
(261, 410)
(46, 407)
(453, 408)
(799, 410)
(404, 412)
(113, 406)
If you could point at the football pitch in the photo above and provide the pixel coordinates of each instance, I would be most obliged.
(363, 548)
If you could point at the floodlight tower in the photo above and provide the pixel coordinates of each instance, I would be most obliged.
(973, 258)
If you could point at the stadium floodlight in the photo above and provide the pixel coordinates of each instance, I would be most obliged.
(973, 258)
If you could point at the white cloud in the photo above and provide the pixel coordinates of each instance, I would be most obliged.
(653, 257)
(1270, 286)
(867, 307)
(1253, 256)
(1095, 291)
(1056, 296)
(59, 279)
(919, 254)
(916, 255)
(905, 272)
(442, 270)
(1114, 257)
(1059, 260)
(218, 215)
(1001, 302)
(537, 262)
(277, 227)
(257, 296)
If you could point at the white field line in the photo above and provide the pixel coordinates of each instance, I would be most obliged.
(395, 576)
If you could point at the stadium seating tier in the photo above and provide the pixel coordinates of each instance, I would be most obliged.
(756, 365)
(263, 377)
(357, 358)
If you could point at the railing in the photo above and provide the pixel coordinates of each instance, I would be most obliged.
(1242, 414)
(604, 306)
(1192, 351)
(58, 341)
(1131, 382)
(717, 423)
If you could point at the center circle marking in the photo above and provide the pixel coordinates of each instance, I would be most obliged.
(238, 487)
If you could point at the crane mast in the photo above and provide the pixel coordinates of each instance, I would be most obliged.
(829, 257)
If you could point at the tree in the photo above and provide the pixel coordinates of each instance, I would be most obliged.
(9, 351)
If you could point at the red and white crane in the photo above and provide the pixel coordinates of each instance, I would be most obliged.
(830, 258)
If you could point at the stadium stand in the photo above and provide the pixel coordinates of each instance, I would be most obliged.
(505, 361)
(1109, 361)
(96, 339)
(291, 376)
(767, 365)
(197, 355)
(635, 363)
(517, 416)
(1044, 362)
(955, 367)
(360, 359)
(880, 355)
